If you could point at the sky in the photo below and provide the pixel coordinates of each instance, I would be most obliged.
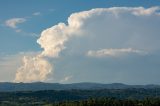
(71, 41)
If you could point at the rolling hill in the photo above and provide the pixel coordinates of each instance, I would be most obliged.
(36, 86)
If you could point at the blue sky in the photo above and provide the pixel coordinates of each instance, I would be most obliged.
(112, 44)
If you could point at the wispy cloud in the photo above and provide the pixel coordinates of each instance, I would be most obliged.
(65, 79)
(36, 13)
(18, 30)
(51, 10)
(113, 52)
(13, 22)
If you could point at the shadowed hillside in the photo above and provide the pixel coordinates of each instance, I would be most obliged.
(5, 86)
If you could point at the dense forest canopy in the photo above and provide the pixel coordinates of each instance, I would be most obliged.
(119, 97)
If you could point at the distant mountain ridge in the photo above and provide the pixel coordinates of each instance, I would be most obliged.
(36, 86)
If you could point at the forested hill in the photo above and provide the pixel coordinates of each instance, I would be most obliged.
(123, 97)
(36, 86)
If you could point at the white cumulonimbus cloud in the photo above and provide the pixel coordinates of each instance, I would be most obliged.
(52, 39)
(33, 69)
(113, 52)
(12, 23)
(96, 22)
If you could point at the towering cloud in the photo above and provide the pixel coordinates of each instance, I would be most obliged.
(33, 69)
(115, 22)
(52, 40)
